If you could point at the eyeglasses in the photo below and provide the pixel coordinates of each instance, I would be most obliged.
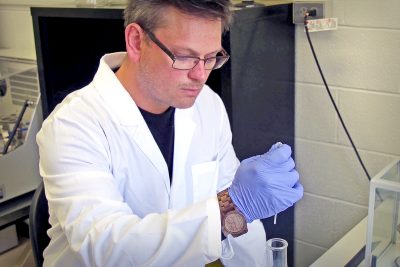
(189, 62)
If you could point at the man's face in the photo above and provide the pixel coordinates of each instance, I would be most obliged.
(184, 35)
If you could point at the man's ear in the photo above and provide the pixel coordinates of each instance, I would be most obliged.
(133, 41)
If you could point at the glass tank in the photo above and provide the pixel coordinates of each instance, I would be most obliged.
(383, 240)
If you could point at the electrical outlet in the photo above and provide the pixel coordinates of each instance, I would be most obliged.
(301, 8)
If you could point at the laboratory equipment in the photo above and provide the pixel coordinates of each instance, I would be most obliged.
(277, 252)
(383, 227)
(20, 120)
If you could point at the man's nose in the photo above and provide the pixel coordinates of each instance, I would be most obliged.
(199, 73)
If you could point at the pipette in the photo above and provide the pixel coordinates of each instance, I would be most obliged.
(277, 145)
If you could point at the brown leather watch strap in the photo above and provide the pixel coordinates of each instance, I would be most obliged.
(232, 220)
(225, 202)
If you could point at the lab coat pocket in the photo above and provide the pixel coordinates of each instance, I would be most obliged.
(205, 177)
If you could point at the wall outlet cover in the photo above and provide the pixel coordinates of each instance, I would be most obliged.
(301, 8)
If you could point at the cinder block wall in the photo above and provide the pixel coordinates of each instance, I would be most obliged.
(361, 62)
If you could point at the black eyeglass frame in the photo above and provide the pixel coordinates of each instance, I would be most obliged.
(225, 56)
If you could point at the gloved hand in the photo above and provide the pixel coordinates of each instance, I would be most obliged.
(267, 184)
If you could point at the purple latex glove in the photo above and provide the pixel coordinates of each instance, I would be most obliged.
(267, 184)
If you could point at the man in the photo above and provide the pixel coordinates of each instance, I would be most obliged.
(138, 166)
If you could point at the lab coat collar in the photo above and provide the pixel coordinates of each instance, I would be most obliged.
(113, 93)
(128, 114)
(118, 98)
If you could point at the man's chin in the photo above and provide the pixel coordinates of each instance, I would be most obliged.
(185, 105)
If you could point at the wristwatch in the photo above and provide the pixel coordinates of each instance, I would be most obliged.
(233, 221)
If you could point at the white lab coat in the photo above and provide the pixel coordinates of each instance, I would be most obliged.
(109, 192)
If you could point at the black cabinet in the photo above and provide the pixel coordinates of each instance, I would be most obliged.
(256, 85)
(69, 44)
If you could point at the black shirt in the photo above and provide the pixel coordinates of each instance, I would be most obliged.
(162, 128)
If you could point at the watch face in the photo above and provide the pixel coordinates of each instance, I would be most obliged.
(234, 222)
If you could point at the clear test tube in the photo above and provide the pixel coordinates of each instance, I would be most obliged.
(277, 252)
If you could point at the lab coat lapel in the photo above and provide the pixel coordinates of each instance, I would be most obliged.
(184, 130)
(145, 141)
(129, 117)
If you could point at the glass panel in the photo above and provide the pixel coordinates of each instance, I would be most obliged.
(385, 221)
(392, 174)
(385, 242)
